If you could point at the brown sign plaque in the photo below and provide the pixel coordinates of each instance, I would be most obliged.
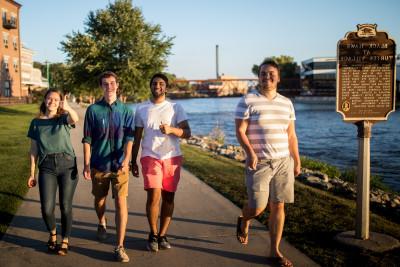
(365, 81)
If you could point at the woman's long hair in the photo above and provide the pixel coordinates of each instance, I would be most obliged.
(42, 109)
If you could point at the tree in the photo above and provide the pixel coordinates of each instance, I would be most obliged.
(288, 68)
(59, 76)
(118, 39)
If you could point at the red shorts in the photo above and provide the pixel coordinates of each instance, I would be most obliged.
(161, 173)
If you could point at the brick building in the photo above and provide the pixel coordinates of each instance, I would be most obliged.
(10, 50)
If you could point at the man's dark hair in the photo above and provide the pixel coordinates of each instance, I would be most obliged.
(161, 76)
(107, 74)
(268, 61)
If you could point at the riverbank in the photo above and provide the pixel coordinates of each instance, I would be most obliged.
(320, 175)
(312, 221)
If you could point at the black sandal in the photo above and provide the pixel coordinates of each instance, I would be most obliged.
(239, 233)
(280, 261)
(52, 245)
(63, 251)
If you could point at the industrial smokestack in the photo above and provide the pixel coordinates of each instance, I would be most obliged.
(217, 60)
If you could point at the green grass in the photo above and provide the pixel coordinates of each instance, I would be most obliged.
(14, 161)
(312, 221)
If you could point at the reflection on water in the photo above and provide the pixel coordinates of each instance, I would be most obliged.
(321, 132)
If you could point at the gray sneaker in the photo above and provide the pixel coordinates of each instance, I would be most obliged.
(101, 232)
(163, 243)
(152, 243)
(120, 254)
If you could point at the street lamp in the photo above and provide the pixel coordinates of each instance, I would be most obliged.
(47, 73)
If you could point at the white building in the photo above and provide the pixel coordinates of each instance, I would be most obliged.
(318, 75)
(31, 78)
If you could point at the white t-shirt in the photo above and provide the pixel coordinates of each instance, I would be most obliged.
(149, 116)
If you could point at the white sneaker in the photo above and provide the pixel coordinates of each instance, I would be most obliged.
(120, 254)
(163, 243)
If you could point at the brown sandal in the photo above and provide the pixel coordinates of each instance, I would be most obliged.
(239, 233)
(63, 251)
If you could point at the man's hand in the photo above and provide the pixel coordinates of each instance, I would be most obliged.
(297, 169)
(135, 169)
(253, 160)
(165, 128)
(86, 172)
(124, 168)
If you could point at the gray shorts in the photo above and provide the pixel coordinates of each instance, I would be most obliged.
(272, 180)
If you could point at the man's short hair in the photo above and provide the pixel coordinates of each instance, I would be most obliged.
(107, 74)
(268, 61)
(161, 76)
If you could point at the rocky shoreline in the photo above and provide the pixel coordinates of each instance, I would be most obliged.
(381, 201)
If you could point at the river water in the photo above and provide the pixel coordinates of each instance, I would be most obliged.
(321, 132)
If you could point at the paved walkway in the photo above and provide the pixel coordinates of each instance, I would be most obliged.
(202, 232)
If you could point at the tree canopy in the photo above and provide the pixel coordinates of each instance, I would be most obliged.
(288, 68)
(59, 76)
(117, 39)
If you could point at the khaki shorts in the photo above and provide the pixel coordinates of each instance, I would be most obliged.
(101, 183)
(273, 180)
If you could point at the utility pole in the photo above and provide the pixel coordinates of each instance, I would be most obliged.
(47, 73)
(217, 61)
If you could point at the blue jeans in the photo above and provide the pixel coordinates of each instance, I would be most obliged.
(57, 170)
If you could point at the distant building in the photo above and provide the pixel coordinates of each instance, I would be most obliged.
(31, 77)
(318, 76)
(10, 52)
(224, 86)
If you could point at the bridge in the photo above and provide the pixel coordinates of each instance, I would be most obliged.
(213, 80)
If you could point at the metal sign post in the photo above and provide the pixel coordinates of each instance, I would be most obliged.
(365, 94)
(363, 179)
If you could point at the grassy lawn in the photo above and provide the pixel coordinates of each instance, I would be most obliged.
(312, 221)
(14, 161)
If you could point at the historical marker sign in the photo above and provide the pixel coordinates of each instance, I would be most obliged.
(365, 82)
(365, 93)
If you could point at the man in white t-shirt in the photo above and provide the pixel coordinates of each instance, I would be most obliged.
(161, 123)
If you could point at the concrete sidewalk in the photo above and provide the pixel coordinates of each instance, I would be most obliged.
(202, 231)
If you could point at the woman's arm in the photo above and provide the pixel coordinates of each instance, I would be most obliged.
(72, 115)
(33, 153)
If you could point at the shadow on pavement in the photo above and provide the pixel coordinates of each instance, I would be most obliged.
(251, 258)
(139, 214)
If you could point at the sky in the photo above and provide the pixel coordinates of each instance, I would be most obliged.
(247, 31)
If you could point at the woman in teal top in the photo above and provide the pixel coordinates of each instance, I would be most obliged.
(52, 151)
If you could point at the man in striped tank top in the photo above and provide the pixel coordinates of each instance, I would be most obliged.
(265, 129)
